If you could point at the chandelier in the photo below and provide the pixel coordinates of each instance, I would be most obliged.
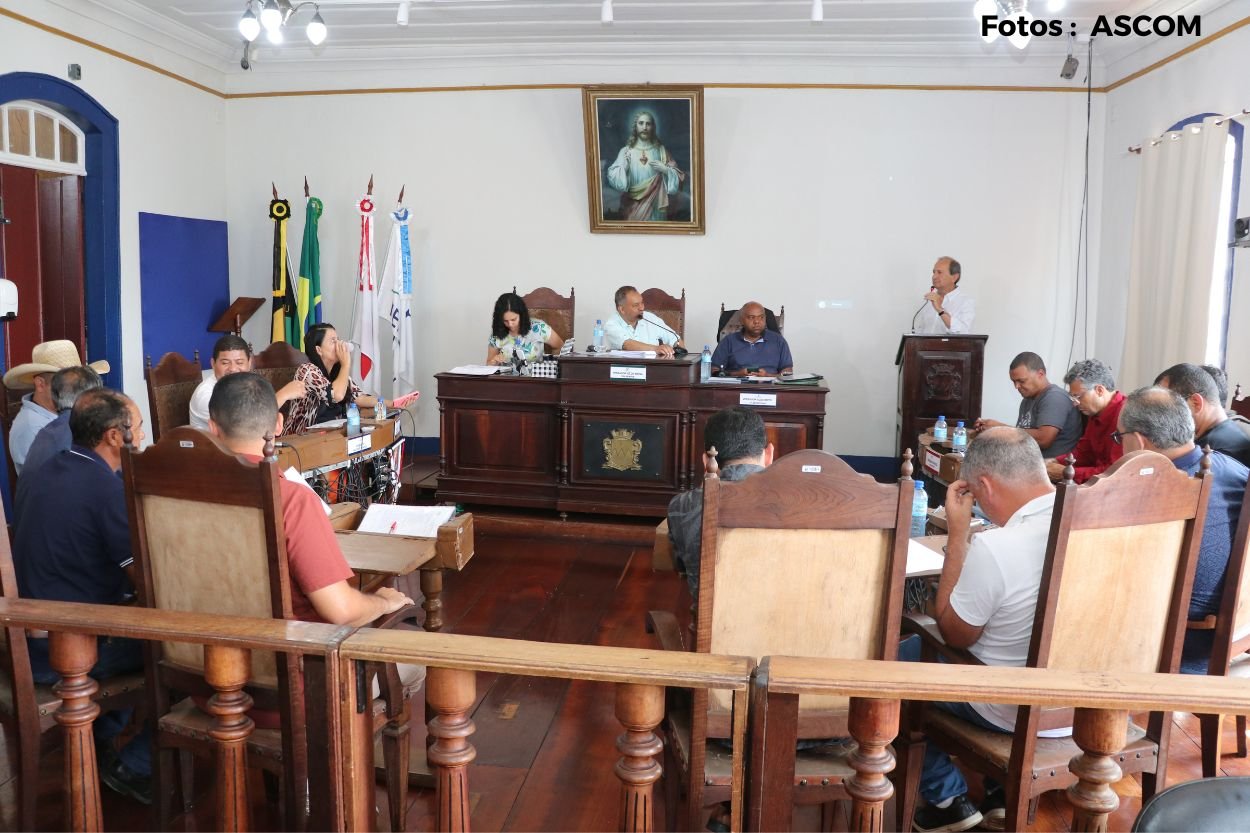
(276, 14)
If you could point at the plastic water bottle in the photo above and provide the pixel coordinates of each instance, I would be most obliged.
(598, 340)
(353, 419)
(705, 364)
(959, 440)
(379, 410)
(919, 511)
(939, 429)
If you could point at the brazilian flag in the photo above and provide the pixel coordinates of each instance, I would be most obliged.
(285, 323)
(308, 288)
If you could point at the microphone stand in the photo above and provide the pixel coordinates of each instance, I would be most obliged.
(918, 311)
(678, 350)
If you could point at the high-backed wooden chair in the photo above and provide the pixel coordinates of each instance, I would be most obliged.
(278, 362)
(1238, 404)
(672, 311)
(806, 558)
(552, 307)
(171, 382)
(1114, 596)
(27, 708)
(731, 321)
(181, 493)
(1230, 653)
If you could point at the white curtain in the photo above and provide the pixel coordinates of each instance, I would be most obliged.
(1175, 233)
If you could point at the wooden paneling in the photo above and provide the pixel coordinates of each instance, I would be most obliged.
(20, 191)
(516, 441)
(60, 255)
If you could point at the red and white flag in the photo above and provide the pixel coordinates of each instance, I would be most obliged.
(365, 327)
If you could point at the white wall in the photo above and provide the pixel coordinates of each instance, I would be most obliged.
(1211, 80)
(811, 195)
(173, 146)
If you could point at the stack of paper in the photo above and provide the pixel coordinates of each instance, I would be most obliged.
(475, 370)
(417, 521)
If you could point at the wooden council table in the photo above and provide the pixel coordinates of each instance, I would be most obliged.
(609, 435)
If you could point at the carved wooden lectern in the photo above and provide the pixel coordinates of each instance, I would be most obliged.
(937, 375)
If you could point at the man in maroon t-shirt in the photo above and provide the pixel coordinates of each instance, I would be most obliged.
(242, 410)
(1091, 387)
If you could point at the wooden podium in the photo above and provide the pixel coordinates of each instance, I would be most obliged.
(937, 375)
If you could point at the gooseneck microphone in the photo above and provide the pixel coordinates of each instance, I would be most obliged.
(678, 350)
(918, 311)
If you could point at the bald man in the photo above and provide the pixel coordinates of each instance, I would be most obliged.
(753, 350)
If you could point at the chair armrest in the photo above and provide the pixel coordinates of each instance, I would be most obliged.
(926, 628)
(1207, 623)
(664, 625)
(390, 620)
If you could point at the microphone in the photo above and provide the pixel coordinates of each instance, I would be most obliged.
(918, 311)
(678, 350)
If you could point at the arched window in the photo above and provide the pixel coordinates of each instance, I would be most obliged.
(1222, 273)
(34, 136)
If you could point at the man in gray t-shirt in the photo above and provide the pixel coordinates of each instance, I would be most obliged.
(1046, 412)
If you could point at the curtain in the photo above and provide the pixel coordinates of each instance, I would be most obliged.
(1175, 229)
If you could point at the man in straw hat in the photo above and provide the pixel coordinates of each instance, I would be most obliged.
(38, 409)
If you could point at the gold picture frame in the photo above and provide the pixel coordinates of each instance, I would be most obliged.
(644, 158)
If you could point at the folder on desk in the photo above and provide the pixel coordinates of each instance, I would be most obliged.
(413, 521)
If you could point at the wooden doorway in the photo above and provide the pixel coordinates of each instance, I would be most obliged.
(42, 252)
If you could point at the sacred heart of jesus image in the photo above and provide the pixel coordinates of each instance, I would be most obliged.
(621, 451)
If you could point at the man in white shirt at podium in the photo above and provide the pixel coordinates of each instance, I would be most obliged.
(947, 309)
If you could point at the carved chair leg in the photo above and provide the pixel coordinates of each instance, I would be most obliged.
(873, 723)
(451, 694)
(72, 655)
(29, 745)
(1101, 734)
(227, 669)
(432, 599)
(395, 748)
(1210, 730)
(1241, 736)
(639, 708)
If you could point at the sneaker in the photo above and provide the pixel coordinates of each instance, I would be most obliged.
(122, 779)
(994, 810)
(959, 815)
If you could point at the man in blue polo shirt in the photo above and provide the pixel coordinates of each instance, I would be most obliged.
(1159, 420)
(72, 544)
(753, 350)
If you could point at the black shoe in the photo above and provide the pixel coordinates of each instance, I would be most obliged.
(994, 810)
(122, 779)
(959, 815)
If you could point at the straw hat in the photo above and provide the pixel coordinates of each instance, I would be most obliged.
(48, 357)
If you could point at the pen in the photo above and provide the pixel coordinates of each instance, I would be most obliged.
(391, 531)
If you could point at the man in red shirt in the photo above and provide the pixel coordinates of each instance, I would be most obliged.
(1092, 388)
(242, 410)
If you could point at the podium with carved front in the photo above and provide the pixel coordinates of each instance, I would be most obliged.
(937, 375)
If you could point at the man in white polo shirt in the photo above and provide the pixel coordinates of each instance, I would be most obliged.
(633, 329)
(986, 599)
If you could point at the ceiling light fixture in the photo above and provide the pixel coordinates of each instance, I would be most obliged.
(982, 9)
(1053, 6)
(401, 16)
(274, 15)
(605, 13)
(818, 11)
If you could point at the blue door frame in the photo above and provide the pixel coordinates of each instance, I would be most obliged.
(101, 212)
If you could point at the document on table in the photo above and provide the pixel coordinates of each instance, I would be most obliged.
(922, 561)
(417, 521)
(476, 369)
(329, 423)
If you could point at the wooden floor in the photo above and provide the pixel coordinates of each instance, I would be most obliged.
(546, 748)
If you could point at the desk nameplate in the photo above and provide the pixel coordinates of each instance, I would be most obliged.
(627, 373)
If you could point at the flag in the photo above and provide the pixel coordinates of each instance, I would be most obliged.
(308, 288)
(397, 300)
(364, 331)
(284, 312)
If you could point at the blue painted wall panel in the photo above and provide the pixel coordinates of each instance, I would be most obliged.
(184, 272)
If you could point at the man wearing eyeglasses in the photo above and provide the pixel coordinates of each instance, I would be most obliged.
(1091, 387)
(1159, 420)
